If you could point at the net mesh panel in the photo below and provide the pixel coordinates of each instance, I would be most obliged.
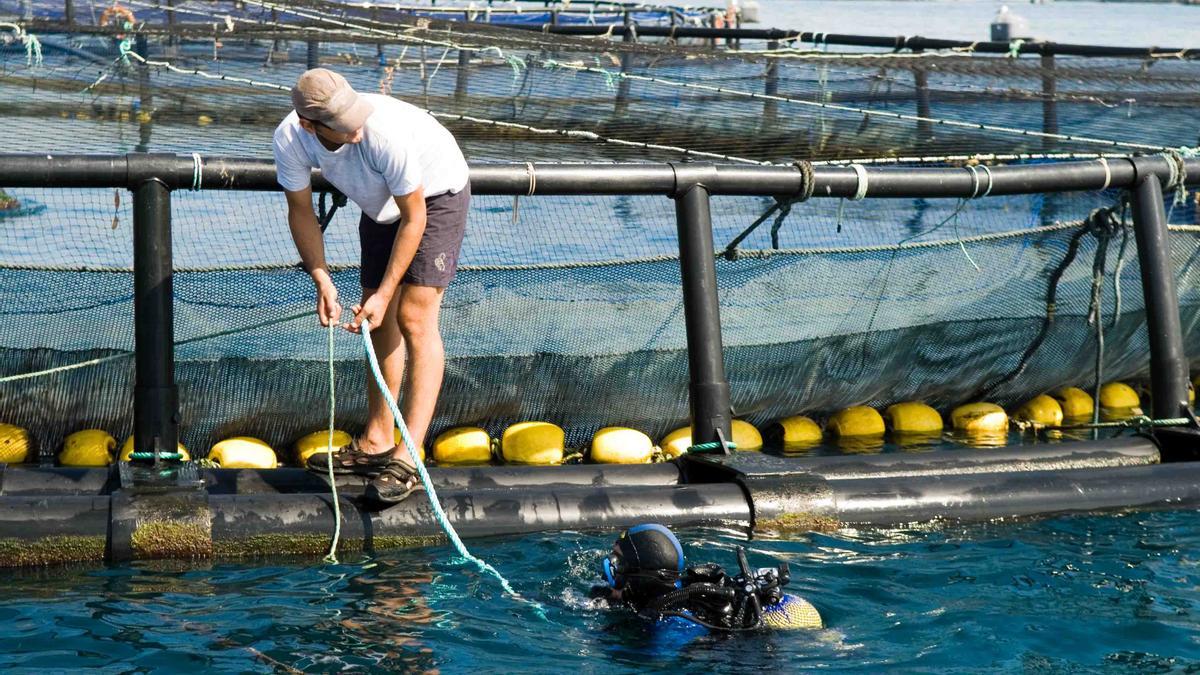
(570, 310)
(543, 323)
(563, 97)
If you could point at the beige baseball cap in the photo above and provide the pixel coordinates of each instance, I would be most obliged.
(322, 95)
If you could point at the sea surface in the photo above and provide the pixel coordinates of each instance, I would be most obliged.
(1131, 24)
(1074, 594)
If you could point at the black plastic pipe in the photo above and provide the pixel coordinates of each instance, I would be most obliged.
(195, 524)
(312, 57)
(155, 398)
(924, 109)
(978, 497)
(239, 173)
(914, 43)
(462, 75)
(1168, 361)
(807, 502)
(1049, 101)
(708, 387)
(1116, 452)
(893, 43)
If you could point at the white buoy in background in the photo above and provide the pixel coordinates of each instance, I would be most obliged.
(749, 10)
(1007, 26)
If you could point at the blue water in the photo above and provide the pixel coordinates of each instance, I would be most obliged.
(1073, 594)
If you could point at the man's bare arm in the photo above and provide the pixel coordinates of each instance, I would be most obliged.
(412, 228)
(306, 232)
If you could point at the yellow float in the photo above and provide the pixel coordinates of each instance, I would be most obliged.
(462, 445)
(800, 433)
(1041, 410)
(620, 445)
(243, 452)
(16, 445)
(1076, 403)
(1118, 401)
(318, 441)
(90, 447)
(913, 417)
(858, 420)
(539, 443)
(981, 424)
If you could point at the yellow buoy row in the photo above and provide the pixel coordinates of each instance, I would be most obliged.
(857, 428)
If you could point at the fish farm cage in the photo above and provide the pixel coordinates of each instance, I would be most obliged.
(703, 226)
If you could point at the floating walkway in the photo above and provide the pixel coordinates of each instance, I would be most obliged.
(62, 515)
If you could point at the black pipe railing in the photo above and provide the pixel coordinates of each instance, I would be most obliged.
(840, 181)
(690, 185)
(895, 43)
(1168, 362)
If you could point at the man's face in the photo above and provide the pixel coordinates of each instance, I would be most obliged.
(331, 135)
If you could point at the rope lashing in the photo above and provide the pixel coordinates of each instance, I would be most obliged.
(150, 456)
(711, 447)
(782, 205)
(33, 46)
(1014, 48)
(325, 217)
(1139, 422)
(860, 192)
(434, 504)
(529, 170)
(197, 172)
(1107, 173)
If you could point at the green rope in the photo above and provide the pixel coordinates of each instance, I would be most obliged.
(331, 557)
(710, 447)
(1014, 48)
(1139, 422)
(150, 456)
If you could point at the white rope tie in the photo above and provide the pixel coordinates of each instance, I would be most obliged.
(861, 191)
(532, 178)
(1107, 173)
(988, 171)
(197, 172)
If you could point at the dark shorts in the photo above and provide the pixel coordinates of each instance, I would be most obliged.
(436, 260)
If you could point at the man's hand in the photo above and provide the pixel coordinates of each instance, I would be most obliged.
(328, 308)
(372, 310)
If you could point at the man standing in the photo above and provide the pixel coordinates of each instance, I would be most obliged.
(407, 174)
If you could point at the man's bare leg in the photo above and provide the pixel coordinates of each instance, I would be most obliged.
(389, 348)
(419, 309)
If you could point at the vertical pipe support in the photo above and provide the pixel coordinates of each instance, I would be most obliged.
(1049, 100)
(69, 12)
(623, 86)
(1168, 363)
(145, 91)
(462, 75)
(313, 57)
(921, 81)
(770, 88)
(708, 389)
(155, 397)
(172, 39)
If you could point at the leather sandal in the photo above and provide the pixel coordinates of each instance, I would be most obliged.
(350, 459)
(394, 483)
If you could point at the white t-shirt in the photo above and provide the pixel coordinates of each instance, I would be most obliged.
(403, 147)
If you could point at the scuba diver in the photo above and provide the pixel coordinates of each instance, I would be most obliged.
(646, 571)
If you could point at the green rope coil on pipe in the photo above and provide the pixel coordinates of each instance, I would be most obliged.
(149, 456)
(711, 447)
